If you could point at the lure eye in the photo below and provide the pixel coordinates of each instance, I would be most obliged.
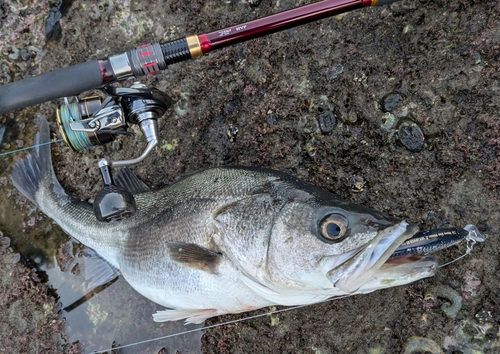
(333, 227)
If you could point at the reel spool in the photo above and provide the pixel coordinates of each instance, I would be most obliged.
(80, 129)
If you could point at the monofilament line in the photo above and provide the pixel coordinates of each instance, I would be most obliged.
(470, 244)
(214, 326)
(30, 147)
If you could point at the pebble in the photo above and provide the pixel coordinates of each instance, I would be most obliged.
(95, 14)
(231, 132)
(4, 67)
(335, 71)
(271, 119)
(254, 3)
(327, 121)
(352, 117)
(390, 101)
(25, 55)
(52, 26)
(356, 183)
(15, 53)
(311, 150)
(410, 135)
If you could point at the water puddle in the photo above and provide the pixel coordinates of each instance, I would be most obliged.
(115, 314)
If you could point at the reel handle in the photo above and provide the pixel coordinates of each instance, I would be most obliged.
(112, 203)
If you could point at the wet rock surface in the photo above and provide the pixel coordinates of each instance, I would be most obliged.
(29, 319)
(256, 104)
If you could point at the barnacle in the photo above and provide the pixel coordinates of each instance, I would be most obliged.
(422, 345)
(445, 292)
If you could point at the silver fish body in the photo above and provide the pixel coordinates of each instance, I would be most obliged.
(230, 240)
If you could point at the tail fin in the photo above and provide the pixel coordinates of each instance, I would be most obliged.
(29, 172)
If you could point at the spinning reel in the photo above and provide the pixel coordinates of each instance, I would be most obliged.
(92, 121)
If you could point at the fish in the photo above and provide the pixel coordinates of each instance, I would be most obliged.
(231, 239)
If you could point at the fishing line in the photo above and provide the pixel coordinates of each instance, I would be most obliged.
(30, 147)
(471, 241)
(470, 244)
(217, 325)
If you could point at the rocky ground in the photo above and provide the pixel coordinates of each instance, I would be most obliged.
(393, 107)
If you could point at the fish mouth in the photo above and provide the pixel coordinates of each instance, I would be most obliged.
(370, 267)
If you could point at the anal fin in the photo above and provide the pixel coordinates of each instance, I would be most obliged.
(191, 315)
(97, 270)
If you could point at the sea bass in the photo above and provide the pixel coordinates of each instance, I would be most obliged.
(232, 239)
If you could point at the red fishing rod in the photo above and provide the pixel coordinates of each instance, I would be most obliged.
(92, 121)
(151, 58)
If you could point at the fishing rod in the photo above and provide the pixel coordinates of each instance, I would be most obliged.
(93, 121)
(148, 59)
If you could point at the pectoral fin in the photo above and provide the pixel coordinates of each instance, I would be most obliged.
(194, 256)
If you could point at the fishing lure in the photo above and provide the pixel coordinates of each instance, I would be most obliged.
(428, 241)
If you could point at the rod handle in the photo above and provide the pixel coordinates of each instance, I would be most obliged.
(68, 81)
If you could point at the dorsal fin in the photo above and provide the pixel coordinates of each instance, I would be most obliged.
(194, 256)
(127, 179)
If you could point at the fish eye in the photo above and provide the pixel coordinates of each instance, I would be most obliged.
(333, 227)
